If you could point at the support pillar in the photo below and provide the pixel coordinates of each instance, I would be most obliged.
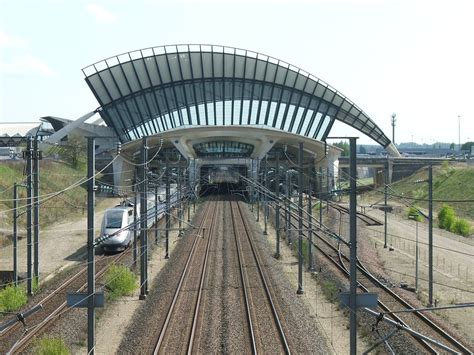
(385, 206)
(143, 219)
(29, 204)
(168, 210)
(265, 195)
(36, 158)
(300, 221)
(310, 224)
(277, 207)
(430, 236)
(90, 245)
(15, 234)
(353, 245)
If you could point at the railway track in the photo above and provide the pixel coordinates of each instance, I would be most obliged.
(178, 330)
(265, 329)
(17, 338)
(368, 220)
(369, 283)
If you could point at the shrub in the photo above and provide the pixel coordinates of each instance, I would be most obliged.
(50, 346)
(446, 217)
(120, 281)
(461, 226)
(414, 212)
(12, 298)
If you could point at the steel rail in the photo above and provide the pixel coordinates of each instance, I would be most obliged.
(201, 287)
(243, 277)
(45, 300)
(398, 298)
(184, 273)
(264, 281)
(21, 345)
(381, 304)
(368, 220)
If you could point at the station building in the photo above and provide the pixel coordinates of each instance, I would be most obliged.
(222, 110)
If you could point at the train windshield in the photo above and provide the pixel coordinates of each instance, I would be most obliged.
(113, 219)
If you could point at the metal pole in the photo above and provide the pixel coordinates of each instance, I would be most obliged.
(300, 221)
(277, 207)
(265, 198)
(90, 245)
(385, 198)
(192, 185)
(353, 246)
(258, 197)
(143, 219)
(135, 222)
(180, 205)
(416, 257)
(168, 210)
(188, 191)
(156, 212)
(36, 212)
(430, 236)
(327, 190)
(310, 225)
(320, 196)
(29, 203)
(15, 234)
(288, 206)
(251, 197)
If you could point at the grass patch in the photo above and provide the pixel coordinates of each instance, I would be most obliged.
(448, 220)
(50, 346)
(12, 298)
(120, 282)
(449, 183)
(54, 176)
(461, 227)
(414, 212)
(330, 290)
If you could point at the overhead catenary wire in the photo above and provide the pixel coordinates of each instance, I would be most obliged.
(43, 198)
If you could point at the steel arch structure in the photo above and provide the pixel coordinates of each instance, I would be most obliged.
(156, 89)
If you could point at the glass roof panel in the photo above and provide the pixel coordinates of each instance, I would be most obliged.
(108, 80)
(280, 75)
(218, 64)
(227, 74)
(250, 68)
(141, 72)
(229, 65)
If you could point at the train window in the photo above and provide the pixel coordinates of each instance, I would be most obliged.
(113, 219)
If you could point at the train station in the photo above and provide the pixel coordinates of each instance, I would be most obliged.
(222, 107)
(234, 210)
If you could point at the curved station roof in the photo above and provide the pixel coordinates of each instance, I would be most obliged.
(154, 90)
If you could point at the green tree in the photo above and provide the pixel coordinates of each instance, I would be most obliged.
(74, 151)
(362, 150)
(344, 146)
(467, 146)
(451, 146)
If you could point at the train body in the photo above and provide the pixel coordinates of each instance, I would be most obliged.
(118, 226)
(221, 175)
(114, 224)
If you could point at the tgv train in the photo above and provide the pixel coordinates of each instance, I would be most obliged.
(222, 175)
(117, 228)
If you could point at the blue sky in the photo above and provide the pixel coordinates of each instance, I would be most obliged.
(414, 58)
